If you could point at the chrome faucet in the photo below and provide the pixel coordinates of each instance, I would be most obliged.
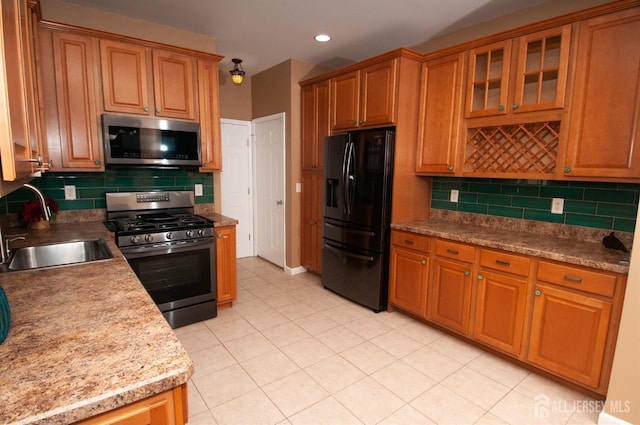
(46, 214)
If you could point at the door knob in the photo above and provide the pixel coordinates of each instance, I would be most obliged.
(279, 202)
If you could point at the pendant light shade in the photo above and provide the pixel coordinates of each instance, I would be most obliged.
(237, 73)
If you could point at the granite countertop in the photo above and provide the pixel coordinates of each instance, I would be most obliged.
(588, 254)
(84, 338)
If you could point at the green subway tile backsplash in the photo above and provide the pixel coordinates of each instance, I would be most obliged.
(611, 206)
(91, 187)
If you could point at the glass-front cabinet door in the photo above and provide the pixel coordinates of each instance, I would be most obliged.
(542, 70)
(488, 80)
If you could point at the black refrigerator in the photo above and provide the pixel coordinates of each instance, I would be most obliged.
(357, 210)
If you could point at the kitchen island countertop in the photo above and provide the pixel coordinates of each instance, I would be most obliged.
(588, 254)
(84, 338)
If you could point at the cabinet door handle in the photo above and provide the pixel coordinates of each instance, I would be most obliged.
(538, 293)
(97, 162)
(467, 272)
(408, 242)
(146, 109)
(501, 108)
(219, 235)
(567, 169)
(572, 278)
(516, 106)
(452, 251)
(423, 262)
(503, 263)
(158, 110)
(450, 167)
(480, 277)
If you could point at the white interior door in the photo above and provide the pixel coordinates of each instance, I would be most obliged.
(269, 181)
(236, 181)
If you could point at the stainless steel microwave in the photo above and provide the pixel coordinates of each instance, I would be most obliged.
(150, 142)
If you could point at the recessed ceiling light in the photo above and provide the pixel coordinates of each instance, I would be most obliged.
(322, 38)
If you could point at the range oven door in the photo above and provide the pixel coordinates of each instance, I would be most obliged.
(176, 274)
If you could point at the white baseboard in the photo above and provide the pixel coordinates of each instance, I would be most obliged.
(607, 419)
(295, 270)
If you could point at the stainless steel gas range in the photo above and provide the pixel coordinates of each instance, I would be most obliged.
(171, 250)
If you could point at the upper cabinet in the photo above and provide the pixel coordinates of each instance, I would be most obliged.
(605, 110)
(209, 115)
(539, 66)
(440, 120)
(126, 87)
(21, 140)
(366, 97)
(315, 124)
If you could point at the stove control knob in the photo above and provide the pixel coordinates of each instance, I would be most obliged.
(148, 238)
(189, 233)
(135, 239)
(169, 235)
(200, 232)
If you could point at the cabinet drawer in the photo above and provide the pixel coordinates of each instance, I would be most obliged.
(498, 260)
(455, 250)
(411, 240)
(596, 282)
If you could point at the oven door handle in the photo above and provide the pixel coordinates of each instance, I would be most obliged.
(167, 247)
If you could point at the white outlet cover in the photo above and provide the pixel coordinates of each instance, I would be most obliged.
(454, 195)
(557, 205)
(298, 187)
(198, 189)
(69, 192)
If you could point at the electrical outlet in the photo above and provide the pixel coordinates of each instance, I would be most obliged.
(454, 195)
(69, 193)
(298, 187)
(557, 205)
(198, 190)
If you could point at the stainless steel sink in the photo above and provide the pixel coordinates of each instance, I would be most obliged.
(58, 254)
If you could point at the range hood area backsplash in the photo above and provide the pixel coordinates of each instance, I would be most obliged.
(91, 187)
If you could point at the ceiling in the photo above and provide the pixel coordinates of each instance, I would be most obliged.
(266, 33)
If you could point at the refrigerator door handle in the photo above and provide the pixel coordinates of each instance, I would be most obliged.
(348, 254)
(344, 176)
(349, 230)
(350, 178)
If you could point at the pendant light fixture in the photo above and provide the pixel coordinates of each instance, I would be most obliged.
(237, 73)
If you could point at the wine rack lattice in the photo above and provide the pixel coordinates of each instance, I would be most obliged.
(522, 148)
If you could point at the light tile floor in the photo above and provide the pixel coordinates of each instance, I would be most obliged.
(291, 352)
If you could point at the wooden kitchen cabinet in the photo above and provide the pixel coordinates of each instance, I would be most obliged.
(315, 124)
(409, 272)
(226, 271)
(605, 111)
(73, 126)
(540, 66)
(569, 333)
(451, 285)
(126, 87)
(365, 97)
(21, 136)
(209, 103)
(166, 408)
(502, 288)
(440, 133)
(311, 226)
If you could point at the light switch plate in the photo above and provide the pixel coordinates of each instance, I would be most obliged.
(198, 190)
(69, 192)
(298, 187)
(454, 195)
(557, 205)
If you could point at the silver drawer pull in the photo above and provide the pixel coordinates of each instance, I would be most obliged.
(503, 263)
(452, 251)
(408, 241)
(572, 278)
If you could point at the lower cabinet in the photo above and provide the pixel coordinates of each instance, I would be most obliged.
(557, 317)
(311, 224)
(166, 408)
(408, 272)
(227, 273)
(569, 329)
